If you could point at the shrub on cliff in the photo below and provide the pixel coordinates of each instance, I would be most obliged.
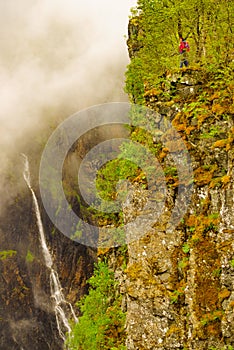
(101, 325)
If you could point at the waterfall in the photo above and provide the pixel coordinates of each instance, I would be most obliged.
(61, 306)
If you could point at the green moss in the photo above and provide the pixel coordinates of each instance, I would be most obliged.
(5, 254)
(214, 131)
(171, 171)
(186, 248)
(182, 264)
(201, 224)
(211, 317)
(29, 257)
(217, 272)
(176, 295)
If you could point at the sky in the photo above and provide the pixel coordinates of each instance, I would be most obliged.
(57, 57)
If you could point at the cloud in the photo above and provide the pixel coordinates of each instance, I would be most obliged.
(57, 57)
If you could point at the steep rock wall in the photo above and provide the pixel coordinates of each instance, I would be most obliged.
(180, 285)
(27, 318)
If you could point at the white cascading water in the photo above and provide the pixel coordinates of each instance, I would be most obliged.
(60, 304)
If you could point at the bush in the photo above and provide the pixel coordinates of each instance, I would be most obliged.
(101, 325)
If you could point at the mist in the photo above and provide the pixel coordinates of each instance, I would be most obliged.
(57, 57)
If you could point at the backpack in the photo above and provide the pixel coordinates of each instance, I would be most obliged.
(184, 46)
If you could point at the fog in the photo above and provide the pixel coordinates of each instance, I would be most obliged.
(57, 57)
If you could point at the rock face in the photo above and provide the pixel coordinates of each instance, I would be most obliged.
(27, 318)
(179, 283)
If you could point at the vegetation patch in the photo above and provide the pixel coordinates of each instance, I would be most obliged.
(101, 325)
(29, 257)
(5, 254)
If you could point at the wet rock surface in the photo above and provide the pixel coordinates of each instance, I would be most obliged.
(179, 284)
(27, 318)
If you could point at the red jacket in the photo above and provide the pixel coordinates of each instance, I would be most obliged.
(184, 46)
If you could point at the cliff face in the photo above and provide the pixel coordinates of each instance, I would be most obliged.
(27, 317)
(179, 285)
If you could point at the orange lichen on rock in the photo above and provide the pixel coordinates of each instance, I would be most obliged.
(224, 143)
(218, 109)
(199, 224)
(181, 127)
(207, 305)
(189, 129)
(203, 176)
(152, 92)
(226, 179)
(223, 294)
(220, 143)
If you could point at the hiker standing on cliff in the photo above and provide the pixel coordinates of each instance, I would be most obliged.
(183, 50)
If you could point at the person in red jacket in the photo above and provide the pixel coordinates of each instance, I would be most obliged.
(183, 50)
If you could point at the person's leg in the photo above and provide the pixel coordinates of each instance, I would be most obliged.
(185, 59)
(182, 60)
